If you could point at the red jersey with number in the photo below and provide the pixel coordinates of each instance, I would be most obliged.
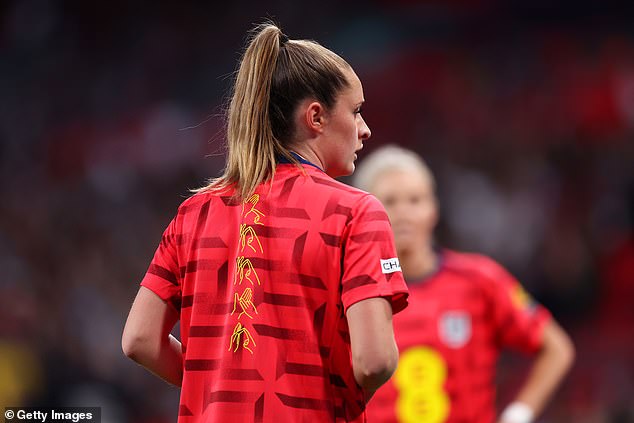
(449, 340)
(262, 287)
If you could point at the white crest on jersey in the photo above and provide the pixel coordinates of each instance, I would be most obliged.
(454, 328)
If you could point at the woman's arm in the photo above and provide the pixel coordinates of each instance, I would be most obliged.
(374, 351)
(551, 365)
(147, 340)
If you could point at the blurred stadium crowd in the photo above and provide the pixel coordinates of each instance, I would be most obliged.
(111, 112)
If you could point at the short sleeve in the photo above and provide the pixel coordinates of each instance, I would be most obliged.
(519, 320)
(370, 264)
(163, 274)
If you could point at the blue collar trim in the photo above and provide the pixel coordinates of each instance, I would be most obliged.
(282, 159)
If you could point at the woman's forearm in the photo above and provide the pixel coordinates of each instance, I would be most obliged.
(551, 365)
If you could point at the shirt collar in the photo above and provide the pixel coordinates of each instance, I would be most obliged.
(282, 159)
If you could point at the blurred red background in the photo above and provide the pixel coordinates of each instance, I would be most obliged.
(110, 112)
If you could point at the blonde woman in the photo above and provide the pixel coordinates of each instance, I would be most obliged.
(283, 279)
(464, 309)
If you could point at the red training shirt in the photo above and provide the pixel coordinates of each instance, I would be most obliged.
(262, 288)
(449, 339)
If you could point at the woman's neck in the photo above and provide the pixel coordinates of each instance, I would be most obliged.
(309, 155)
(418, 262)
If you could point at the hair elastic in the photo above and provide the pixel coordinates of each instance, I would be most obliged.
(283, 39)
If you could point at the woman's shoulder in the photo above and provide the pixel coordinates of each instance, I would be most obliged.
(202, 199)
(316, 184)
(478, 267)
(467, 259)
(324, 181)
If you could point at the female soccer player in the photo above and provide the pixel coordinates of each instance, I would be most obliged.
(464, 309)
(283, 279)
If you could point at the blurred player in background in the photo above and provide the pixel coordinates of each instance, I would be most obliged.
(464, 309)
(283, 279)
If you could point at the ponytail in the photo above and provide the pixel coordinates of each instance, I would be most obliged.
(275, 73)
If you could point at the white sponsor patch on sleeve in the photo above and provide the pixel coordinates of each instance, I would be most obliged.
(390, 265)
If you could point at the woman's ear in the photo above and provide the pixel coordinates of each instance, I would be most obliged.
(315, 117)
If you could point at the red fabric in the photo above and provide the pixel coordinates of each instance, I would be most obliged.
(449, 339)
(312, 247)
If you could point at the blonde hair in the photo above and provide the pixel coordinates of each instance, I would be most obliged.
(389, 158)
(274, 75)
